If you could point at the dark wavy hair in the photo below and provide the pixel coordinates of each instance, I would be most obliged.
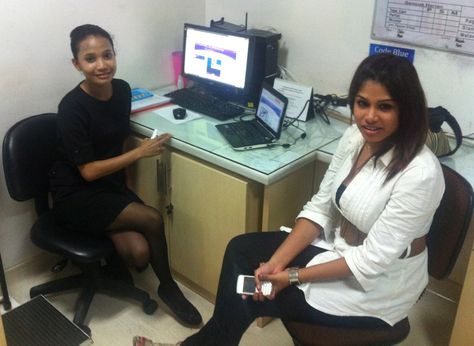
(81, 32)
(400, 79)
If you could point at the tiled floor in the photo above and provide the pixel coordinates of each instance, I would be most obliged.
(114, 321)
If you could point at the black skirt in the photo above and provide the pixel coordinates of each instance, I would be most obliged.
(92, 210)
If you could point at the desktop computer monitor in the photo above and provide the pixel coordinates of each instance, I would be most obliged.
(217, 60)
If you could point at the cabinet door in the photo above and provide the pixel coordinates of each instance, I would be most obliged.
(284, 199)
(210, 207)
(148, 177)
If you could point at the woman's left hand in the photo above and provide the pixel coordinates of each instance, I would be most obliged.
(279, 282)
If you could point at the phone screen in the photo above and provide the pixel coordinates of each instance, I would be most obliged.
(249, 284)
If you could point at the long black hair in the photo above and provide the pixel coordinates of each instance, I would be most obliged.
(401, 80)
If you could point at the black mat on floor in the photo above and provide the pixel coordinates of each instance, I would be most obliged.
(39, 323)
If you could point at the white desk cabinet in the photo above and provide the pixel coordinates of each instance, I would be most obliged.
(204, 206)
(209, 207)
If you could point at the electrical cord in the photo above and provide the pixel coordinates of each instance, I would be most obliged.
(285, 73)
(247, 113)
(287, 145)
(289, 123)
(322, 102)
(292, 123)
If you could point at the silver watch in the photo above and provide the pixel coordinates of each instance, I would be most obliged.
(293, 276)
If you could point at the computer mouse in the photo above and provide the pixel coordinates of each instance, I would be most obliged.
(179, 113)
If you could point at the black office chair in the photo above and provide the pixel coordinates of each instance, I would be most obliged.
(28, 153)
(444, 241)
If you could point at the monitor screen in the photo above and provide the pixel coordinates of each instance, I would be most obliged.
(215, 56)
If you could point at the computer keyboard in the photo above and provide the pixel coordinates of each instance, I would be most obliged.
(205, 104)
(243, 130)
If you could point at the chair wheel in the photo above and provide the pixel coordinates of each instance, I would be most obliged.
(150, 306)
(58, 267)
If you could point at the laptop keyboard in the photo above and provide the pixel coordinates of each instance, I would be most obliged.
(205, 104)
(244, 131)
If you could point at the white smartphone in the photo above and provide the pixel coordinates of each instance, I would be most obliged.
(246, 285)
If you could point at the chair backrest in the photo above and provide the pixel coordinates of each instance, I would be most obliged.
(29, 149)
(450, 224)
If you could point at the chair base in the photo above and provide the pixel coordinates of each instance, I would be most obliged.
(306, 334)
(91, 281)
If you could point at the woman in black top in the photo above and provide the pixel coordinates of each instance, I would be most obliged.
(88, 180)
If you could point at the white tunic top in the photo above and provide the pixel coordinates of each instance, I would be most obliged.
(392, 214)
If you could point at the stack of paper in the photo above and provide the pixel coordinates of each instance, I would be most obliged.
(143, 99)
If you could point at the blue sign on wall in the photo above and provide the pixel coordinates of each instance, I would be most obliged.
(398, 51)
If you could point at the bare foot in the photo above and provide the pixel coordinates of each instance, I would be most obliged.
(142, 341)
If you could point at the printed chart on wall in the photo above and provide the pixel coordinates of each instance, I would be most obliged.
(446, 24)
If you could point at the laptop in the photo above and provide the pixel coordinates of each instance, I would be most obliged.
(264, 129)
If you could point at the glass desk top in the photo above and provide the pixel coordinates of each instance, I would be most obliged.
(200, 138)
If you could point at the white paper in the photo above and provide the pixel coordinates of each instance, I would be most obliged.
(167, 113)
(446, 25)
(154, 100)
(298, 96)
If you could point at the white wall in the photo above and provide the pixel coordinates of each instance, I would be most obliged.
(323, 42)
(36, 69)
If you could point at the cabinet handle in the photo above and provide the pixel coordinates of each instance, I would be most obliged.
(169, 209)
(161, 178)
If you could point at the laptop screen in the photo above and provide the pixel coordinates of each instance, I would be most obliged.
(271, 109)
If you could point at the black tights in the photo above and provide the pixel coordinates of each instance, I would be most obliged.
(233, 315)
(138, 234)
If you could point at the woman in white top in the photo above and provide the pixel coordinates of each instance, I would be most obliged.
(374, 208)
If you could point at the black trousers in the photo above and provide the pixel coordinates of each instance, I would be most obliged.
(233, 315)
